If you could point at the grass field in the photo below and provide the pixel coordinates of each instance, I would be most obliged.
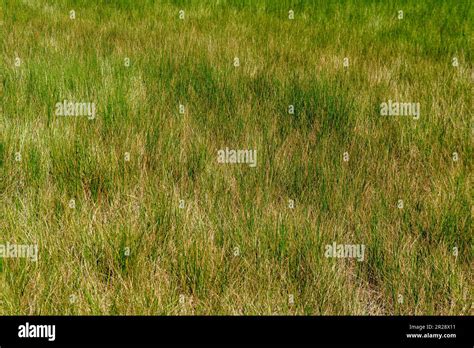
(132, 212)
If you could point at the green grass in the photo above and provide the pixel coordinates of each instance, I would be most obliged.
(235, 209)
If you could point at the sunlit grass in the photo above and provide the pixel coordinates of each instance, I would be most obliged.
(236, 247)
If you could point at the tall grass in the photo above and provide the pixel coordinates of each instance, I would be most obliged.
(236, 247)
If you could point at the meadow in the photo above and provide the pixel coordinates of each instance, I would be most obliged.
(133, 213)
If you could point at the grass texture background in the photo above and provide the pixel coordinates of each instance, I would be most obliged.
(236, 247)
